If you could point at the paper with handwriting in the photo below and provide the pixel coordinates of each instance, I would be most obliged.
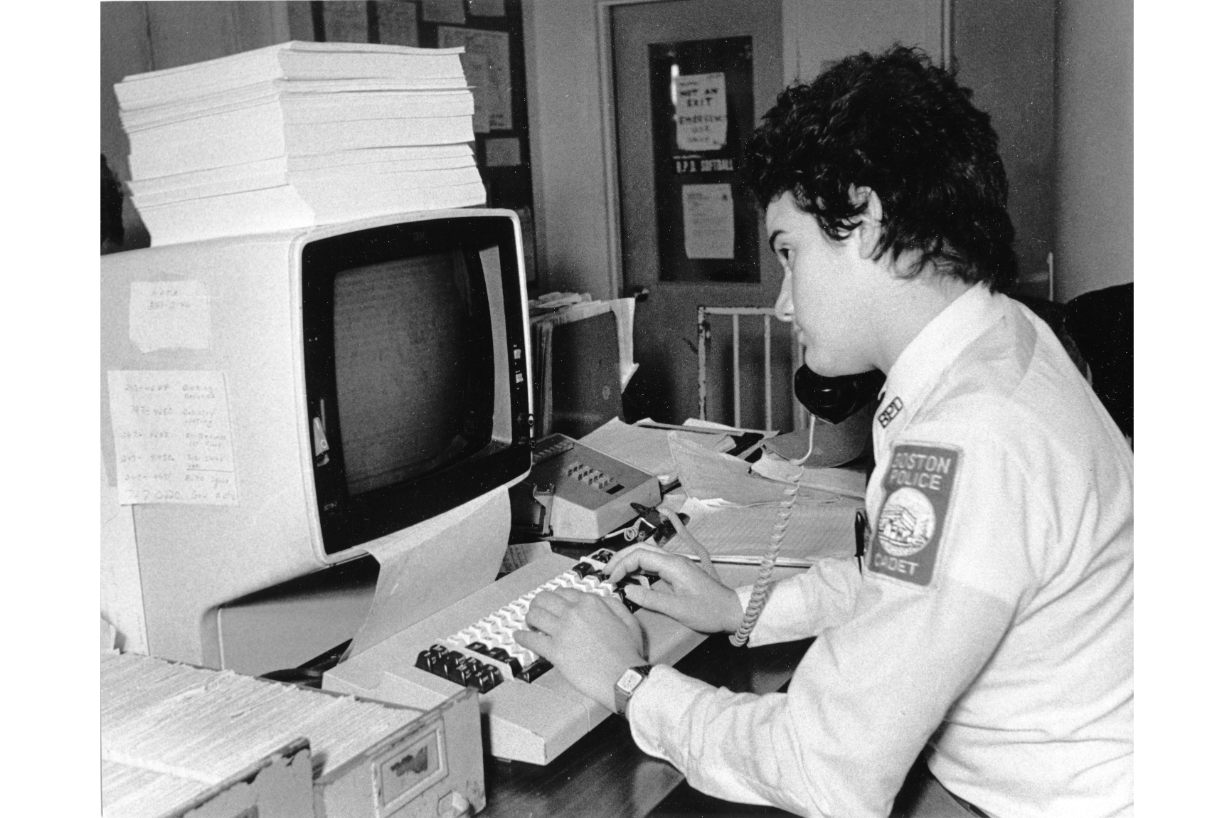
(169, 315)
(172, 434)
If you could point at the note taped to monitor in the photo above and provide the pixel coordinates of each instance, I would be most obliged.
(169, 315)
(172, 437)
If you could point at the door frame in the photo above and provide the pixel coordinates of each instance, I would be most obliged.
(611, 167)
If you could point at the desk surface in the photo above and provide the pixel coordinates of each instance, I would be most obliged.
(605, 774)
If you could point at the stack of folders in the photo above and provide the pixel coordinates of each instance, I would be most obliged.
(173, 733)
(298, 134)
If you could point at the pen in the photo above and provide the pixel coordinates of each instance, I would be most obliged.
(705, 430)
(861, 522)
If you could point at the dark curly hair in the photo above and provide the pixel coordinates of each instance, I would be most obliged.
(905, 128)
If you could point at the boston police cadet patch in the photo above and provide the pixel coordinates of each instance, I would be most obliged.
(917, 486)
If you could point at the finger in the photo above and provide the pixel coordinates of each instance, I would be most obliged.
(542, 620)
(671, 567)
(538, 643)
(629, 560)
(554, 601)
(664, 602)
(693, 544)
(623, 614)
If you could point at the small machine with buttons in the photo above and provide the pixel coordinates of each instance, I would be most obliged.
(577, 494)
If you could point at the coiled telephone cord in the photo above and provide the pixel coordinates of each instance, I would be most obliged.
(757, 600)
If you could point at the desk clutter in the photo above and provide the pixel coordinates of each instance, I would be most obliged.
(728, 484)
(583, 359)
(298, 134)
(178, 738)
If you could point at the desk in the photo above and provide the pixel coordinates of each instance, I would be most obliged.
(605, 774)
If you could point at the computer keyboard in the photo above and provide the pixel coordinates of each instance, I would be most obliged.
(530, 712)
(484, 653)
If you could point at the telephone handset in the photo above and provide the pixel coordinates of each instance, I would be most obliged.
(838, 398)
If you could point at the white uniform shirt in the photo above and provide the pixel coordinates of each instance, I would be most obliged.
(994, 615)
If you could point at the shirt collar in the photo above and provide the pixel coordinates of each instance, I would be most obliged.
(932, 351)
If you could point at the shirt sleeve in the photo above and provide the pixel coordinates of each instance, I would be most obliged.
(802, 605)
(872, 688)
(859, 709)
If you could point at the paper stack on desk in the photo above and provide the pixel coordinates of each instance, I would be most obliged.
(646, 445)
(741, 535)
(174, 735)
(298, 134)
(203, 725)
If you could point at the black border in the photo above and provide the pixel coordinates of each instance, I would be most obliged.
(348, 520)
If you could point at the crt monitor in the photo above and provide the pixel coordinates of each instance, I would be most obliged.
(345, 385)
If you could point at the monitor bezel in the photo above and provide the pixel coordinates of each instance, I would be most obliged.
(348, 521)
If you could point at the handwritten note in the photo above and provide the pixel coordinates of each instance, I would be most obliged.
(709, 221)
(172, 437)
(487, 67)
(169, 315)
(701, 112)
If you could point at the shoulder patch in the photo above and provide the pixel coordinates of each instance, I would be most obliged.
(917, 488)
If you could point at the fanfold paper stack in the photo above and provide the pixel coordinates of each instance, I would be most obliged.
(175, 735)
(298, 134)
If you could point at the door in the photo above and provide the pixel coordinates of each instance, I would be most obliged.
(692, 78)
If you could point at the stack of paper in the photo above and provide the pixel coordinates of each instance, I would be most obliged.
(298, 134)
(169, 731)
(646, 445)
(741, 535)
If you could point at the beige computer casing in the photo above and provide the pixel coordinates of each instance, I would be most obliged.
(192, 558)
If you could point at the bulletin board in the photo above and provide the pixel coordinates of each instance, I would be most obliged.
(701, 99)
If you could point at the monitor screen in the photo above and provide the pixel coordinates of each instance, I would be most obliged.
(411, 378)
(409, 330)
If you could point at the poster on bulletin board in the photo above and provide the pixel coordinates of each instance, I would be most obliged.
(701, 99)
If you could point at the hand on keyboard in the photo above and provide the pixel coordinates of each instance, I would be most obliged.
(591, 639)
(489, 651)
(685, 592)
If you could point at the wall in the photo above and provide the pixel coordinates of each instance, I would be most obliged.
(125, 50)
(819, 31)
(1095, 147)
(562, 63)
(1005, 52)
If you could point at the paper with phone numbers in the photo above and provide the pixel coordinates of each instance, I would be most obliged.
(172, 433)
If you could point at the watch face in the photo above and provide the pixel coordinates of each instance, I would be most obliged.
(629, 680)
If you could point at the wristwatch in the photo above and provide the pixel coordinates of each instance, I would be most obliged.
(627, 683)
